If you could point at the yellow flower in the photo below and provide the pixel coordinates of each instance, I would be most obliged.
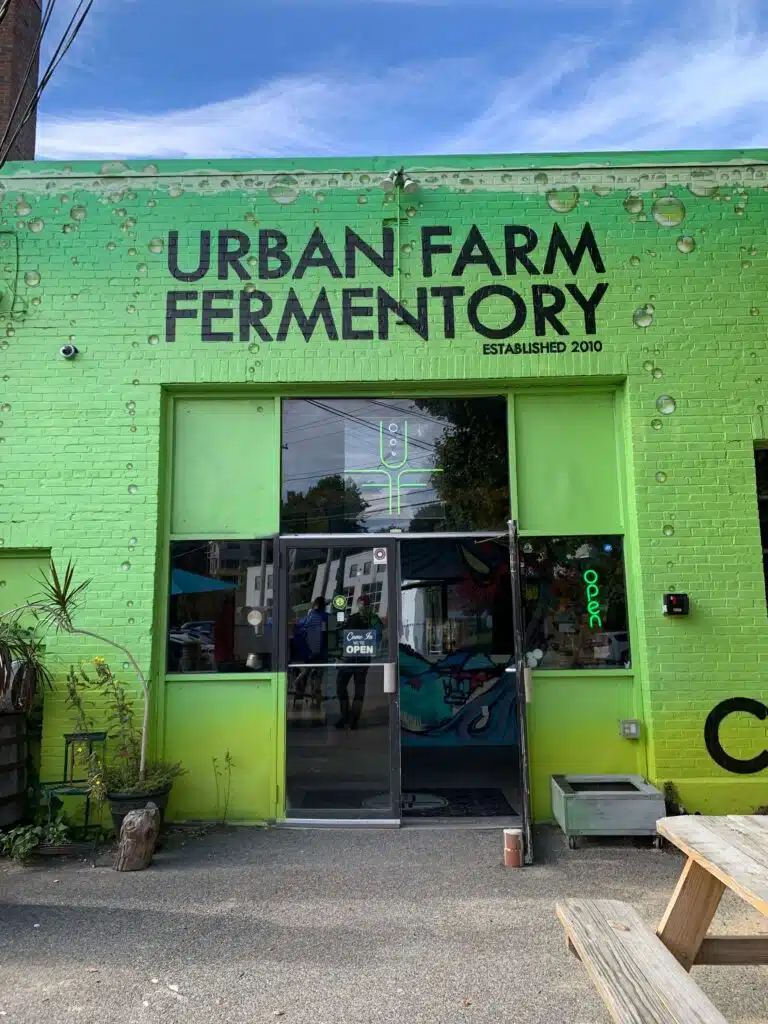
(99, 661)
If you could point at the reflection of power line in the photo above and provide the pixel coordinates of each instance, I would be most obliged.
(378, 514)
(320, 474)
(409, 412)
(364, 423)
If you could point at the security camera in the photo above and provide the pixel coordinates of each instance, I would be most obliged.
(68, 351)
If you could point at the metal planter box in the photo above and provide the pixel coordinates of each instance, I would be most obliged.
(606, 805)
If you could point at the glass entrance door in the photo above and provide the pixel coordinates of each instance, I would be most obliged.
(342, 731)
(459, 712)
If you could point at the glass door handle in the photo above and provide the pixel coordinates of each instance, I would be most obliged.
(390, 678)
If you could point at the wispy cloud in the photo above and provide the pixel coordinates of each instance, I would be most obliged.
(94, 29)
(300, 115)
(685, 86)
(708, 89)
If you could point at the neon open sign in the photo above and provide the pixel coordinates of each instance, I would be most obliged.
(593, 593)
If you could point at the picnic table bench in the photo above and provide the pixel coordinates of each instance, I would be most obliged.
(642, 976)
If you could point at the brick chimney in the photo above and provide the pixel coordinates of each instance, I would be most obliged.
(18, 32)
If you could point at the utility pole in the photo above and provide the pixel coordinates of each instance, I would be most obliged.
(19, 70)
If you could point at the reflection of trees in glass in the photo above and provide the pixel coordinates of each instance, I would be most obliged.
(472, 453)
(329, 506)
(427, 519)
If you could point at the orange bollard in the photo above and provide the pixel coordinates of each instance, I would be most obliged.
(513, 848)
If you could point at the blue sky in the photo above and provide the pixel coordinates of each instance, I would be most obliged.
(188, 78)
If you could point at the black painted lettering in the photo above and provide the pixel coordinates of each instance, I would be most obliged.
(252, 318)
(517, 252)
(737, 765)
(384, 260)
(589, 304)
(489, 291)
(573, 257)
(272, 246)
(317, 253)
(449, 295)
(231, 257)
(307, 324)
(173, 313)
(418, 323)
(204, 261)
(211, 313)
(430, 248)
(350, 312)
(475, 252)
(544, 314)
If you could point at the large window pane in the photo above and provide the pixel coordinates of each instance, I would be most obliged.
(318, 627)
(376, 465)
(220, 606)
(575, 603)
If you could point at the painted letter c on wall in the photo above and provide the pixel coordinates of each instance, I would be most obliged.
(715, 749)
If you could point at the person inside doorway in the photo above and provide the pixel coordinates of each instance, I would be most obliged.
(356, 668)
(310, 645)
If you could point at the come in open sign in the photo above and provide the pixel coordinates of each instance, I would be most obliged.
(360, 642)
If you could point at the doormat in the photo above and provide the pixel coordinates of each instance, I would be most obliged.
(339, 800)
(457, 803)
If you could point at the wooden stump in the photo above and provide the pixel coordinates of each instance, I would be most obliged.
(137, 839)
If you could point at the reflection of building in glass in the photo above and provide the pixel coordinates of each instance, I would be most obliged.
(361, 577)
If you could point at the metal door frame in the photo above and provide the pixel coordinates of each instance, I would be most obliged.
(356, 542)
(521, 671)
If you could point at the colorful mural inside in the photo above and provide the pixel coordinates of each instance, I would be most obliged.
(466, 697)
(455, 643)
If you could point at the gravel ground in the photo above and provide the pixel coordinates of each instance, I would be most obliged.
(246, 925)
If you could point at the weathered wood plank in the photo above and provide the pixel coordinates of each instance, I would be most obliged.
(750, 837)
(637, 977)
(750, 950)
(731, 849)
(689, 912)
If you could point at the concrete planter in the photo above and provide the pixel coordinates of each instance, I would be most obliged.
(606, 805)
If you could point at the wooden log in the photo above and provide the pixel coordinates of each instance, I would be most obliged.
(137, 839)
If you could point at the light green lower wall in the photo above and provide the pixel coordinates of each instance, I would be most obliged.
(204, 719)
(573, 727)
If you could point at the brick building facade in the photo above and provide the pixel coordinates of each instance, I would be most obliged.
(225, 312)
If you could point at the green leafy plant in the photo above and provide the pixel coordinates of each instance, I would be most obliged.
(672, 800)
(23, 674)
(122, 770)
(229, 764)
(58, 601)
(21, 842)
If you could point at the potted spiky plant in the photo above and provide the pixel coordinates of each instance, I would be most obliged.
(127, 779)
(117, 777)
(23, 676)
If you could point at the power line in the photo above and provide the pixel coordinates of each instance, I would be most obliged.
(68, 37)
(33, 57)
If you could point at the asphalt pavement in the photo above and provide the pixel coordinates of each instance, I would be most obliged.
(420, 926)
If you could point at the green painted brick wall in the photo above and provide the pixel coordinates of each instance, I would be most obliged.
(84, 257)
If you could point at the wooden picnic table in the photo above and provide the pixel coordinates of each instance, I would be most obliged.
(729, 852)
